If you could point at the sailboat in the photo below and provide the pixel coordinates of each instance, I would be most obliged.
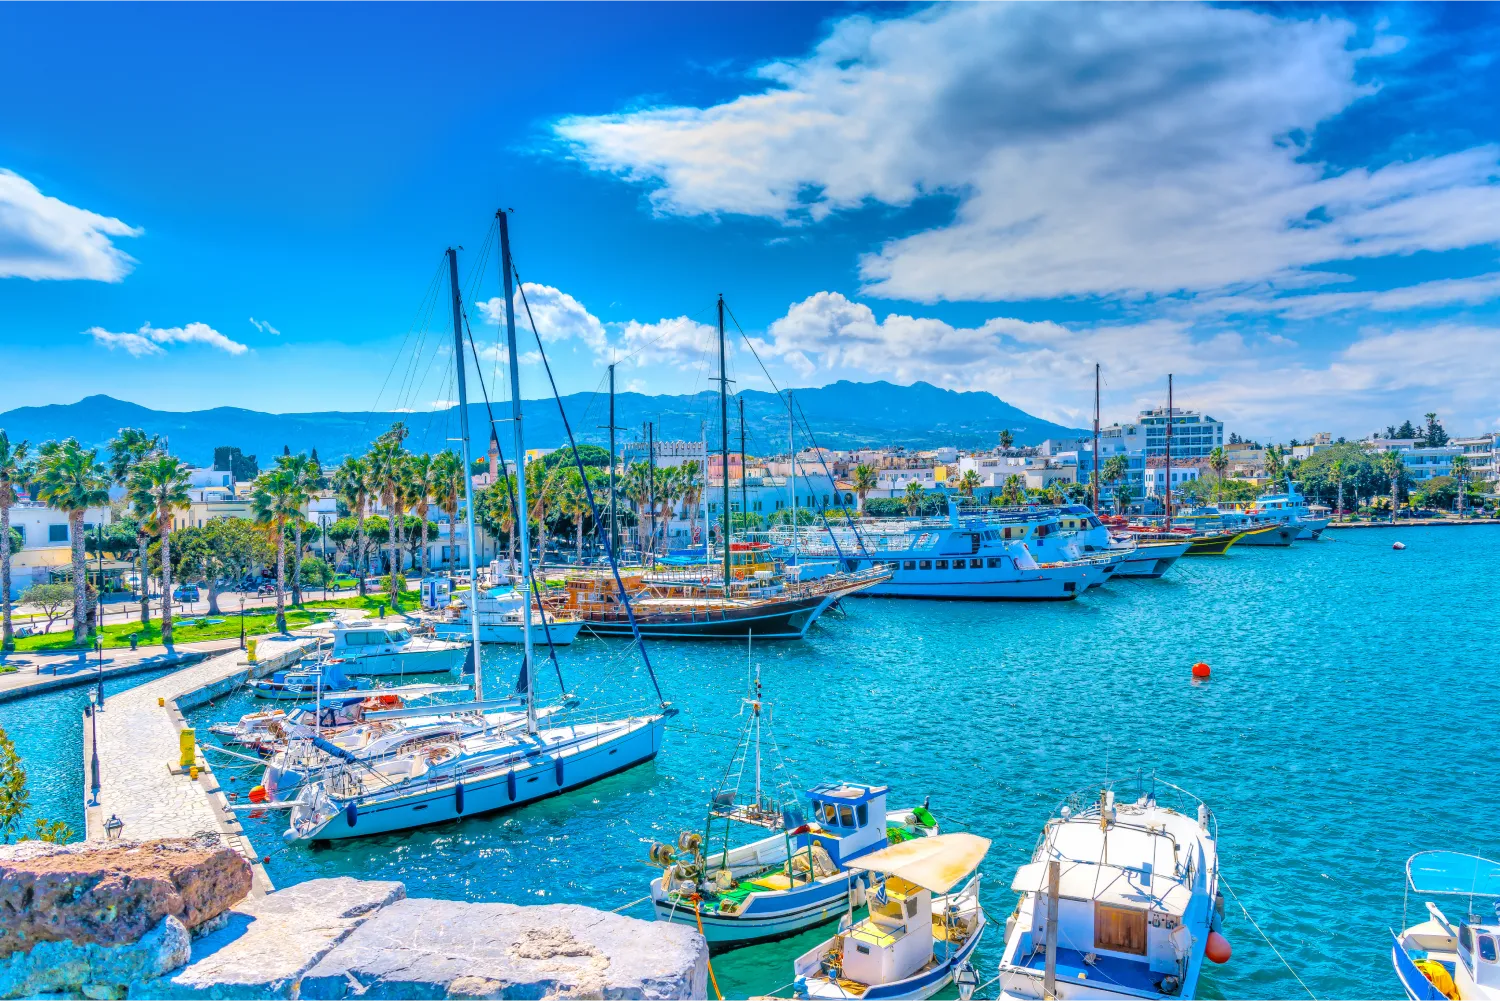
(459, 774)
(797, 874)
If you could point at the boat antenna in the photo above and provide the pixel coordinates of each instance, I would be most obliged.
(460, 364)
(521, 519)
(724, 442)
(1094, 480)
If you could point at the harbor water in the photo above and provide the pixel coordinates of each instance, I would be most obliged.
(1348, 723)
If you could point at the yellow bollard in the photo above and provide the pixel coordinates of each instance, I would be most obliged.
(193, 772)
(187, 740)
(161, 700)
(250, 651)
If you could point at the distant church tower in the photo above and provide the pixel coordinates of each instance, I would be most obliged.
(494, 457)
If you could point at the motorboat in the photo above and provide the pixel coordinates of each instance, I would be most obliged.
(918, 932)
(1076, 532)
(1290, 509)
(796, 875)
(314, 679)
(1120, 899)
(383, 648)
(1439, 958)
(500, 620)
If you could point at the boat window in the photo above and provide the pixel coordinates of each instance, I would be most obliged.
(1119, 929)
(863, 813)
(1487, 949)
(925, 565)
(942, 564)
(995, 562)
(398, 635)
(846, 816)
(908, 564)
(1466, 939)
(828, 813)
(911, 907)
(975, 564)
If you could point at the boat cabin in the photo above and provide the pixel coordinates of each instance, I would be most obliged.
(895, 941)
(849, 819)
(361, 640)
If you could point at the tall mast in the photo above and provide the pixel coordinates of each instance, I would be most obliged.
(791, 479)
(613, 538)
(1094, 480)
(744, 503)
(724, 442)
(463, 424)
(703, 494)
(1169, 451)
(524, 537)
(651, 473)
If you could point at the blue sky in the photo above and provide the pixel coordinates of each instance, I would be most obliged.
(1294, 209)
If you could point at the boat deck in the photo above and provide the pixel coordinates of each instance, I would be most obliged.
(1109, 970)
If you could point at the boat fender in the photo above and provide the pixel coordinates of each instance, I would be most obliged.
(458, 798)
(351, 813)
(1217, 948)
(557, 769)
(510, 785)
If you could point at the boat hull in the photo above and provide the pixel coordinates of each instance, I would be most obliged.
(787, 620)
(1213, 545)
(1270, 535)
(828, 903)
(924, 984)
(383, 665)
(1152, 561)
(1311, 528)
(536, 778)
(562, 633)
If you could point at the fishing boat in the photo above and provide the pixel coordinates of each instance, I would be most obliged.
(325, 679)
(1120, 899)
(918, 932)
(1438, 958)
(382, 649)
(796, 875)
(459, 773)
(500, 620)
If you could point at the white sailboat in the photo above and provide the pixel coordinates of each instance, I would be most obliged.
(460, 773)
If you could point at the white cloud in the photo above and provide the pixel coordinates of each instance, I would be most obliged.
(43, 237)
(1092, 150)
(151, 340)
(679, 341)
(1047, 369)
(1426, 295)
(558, 316)
(264, 327)
(442, 404)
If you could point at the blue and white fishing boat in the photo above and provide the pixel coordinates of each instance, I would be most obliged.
(918, 933)
(1436, 958)
(1120, 900)
(325, 680)
(797, 876)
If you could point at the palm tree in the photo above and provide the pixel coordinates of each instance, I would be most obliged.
(1218, 461)
(306, 478)
(541, 486)
(447, 483)
(1116, 468)
(1337, 468)
(913, 497)
(1275, 468)
(1460, 474)
(127, 450)
(1392, 465)
(1013, 493)
(1006, 439)
(968, 483)
(419, 497)
(690, 482)
(635, 487)
(495, 513)
(1122, 497)
(72, 479)
(275, 499)
(16, 469)
(351, 481)
(387, 470)
(159, 483)
(866, 478)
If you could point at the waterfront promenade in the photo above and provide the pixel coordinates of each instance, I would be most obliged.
(38, 672)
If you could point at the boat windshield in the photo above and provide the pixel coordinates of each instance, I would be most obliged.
(1453, 872)
(398, 635)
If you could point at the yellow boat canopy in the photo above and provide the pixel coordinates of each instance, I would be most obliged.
(935, 863)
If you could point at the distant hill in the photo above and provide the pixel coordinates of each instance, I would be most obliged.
(841, 415)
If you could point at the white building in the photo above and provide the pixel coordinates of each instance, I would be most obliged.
(1193, 434)
(1479, 451)
(46, 541)
(1422, 462)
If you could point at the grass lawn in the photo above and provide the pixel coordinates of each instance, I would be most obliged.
(188, 630)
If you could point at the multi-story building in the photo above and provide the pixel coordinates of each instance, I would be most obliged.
(1193, 434)
(46, 542)
(1479, 452)
(1422, 462)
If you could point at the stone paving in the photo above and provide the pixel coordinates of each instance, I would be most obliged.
(136, 738)
(40, 672)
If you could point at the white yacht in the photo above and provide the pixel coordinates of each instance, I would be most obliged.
(1438, 958)
(1120, 900)
(500, 620)
(385, 647)
(1075, 532)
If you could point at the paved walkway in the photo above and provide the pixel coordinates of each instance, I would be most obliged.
(136, 739)
(42, 671)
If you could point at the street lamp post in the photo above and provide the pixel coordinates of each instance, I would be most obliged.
(99, 650)
(328, 570)
(242, 620)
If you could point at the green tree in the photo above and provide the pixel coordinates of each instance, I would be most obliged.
(14, 796)
(1218, 461)
(159, 483)
(1115, 469)
(1433, 435)
(448, 491)
(223, 549)
(1123, 497)
(1394, 468)
(1460, 473)
(127, 450)
(275, 499)
(1276, 467)
(865, 479)
(1438, 492)
(1407, 430)
(316, 572)
(71, 479)
(307, 478)
(494, 512)
(1013, 491)
(351, 484)
(16, 468)
(913, 498)
(1006, 439)
(968, 483)
(50, 598)
(388, 473)
(419, 487)
(589, 455)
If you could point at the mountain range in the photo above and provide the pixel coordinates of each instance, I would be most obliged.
(841, 415)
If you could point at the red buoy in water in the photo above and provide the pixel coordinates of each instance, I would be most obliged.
(1200, 670)
(1217, 948)
(258, 794)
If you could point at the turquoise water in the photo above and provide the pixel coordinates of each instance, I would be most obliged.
(1349, 723)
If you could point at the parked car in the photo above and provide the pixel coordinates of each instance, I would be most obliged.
(185, 592)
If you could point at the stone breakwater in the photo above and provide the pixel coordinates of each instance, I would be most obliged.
(174, 920)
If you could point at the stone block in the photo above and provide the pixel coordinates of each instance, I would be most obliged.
(267, 943)
(94, 970)
(420, 948)
(113, 894)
